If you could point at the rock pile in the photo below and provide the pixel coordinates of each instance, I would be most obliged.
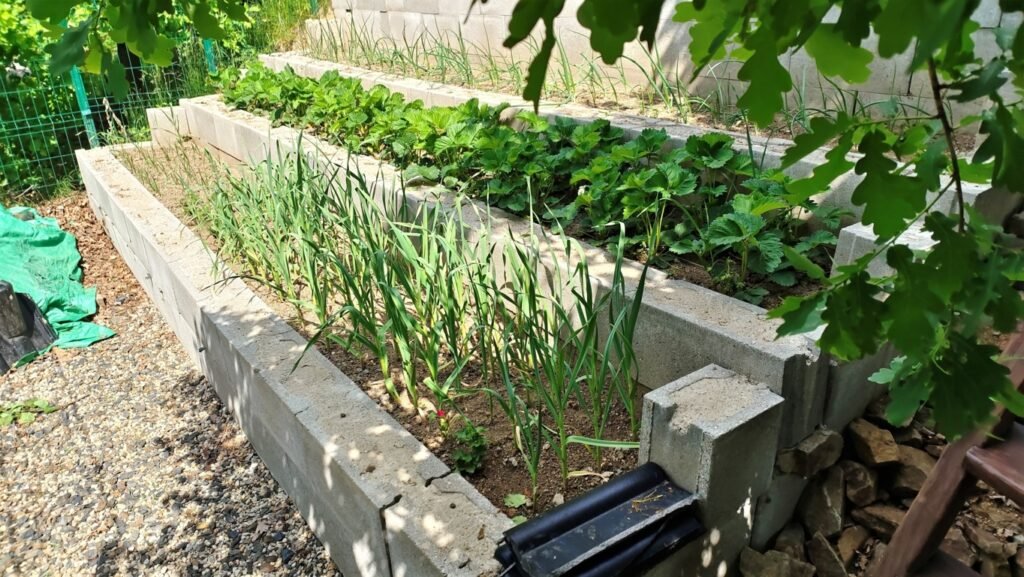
(861, 484)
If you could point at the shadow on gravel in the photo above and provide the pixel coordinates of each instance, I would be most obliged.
(234, 517)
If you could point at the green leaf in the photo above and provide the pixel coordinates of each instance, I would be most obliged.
(602, 443)
(890, 199)
(803, 264)
(519, 519)
(834, 56)
(516, 500)
(70, 49)
(836, 165)
(854, 318)
(799, 314)
(116, 79)
(983, 83)
(26, 418)
(52, 10)
(769, 80)
(822, 130)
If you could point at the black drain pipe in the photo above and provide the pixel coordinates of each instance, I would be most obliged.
(631, 522)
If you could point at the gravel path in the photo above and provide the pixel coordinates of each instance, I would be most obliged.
(142, 471)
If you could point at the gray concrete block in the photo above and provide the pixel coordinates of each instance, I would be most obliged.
(775, 508)
(167, 125)
(698, 426)
(849, 390)
(858, 240)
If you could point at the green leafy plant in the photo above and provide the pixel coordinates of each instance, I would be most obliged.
(471, 449)
(967, 281)
(559, 171)
(24, 412)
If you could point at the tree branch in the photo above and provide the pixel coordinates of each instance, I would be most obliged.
(947, 128)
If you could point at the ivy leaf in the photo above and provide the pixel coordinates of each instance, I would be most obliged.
(769, 80)
(889, 199)
(836, 57)
(799, 314)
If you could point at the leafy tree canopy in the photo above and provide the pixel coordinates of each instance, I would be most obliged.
(81, 26)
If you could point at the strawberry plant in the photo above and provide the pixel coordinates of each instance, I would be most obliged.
(705, 201)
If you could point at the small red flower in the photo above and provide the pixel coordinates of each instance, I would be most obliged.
(441, 413)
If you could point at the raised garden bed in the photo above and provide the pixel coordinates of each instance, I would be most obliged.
(778, 390)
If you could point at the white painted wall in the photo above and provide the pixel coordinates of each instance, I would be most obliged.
(487, 24)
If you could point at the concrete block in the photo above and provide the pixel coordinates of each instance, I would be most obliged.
(849, 390)
(167, 125)
(697, 427)
(775, 508)
(858, 240)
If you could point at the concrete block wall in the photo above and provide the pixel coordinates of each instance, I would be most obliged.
(685, 327)
(363, 483)
(815, 391)
(487, 24)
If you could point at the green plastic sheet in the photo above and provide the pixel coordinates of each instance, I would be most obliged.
(41, 260)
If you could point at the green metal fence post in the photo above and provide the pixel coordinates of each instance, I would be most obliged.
(211, 58)
(83, 107)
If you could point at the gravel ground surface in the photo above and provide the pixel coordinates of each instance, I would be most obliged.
(141, 471)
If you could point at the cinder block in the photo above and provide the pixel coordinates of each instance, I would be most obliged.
(858, 240)
(775, 508)
(849, 390)
(698, 427)
(167, 125)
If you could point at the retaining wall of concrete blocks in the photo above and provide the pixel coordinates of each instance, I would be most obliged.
(436, 94)
(684, 327)
(383, 505)
(486, 27)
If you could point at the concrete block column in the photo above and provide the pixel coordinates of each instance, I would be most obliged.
(716, 434)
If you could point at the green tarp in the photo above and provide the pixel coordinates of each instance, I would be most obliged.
(41, 260)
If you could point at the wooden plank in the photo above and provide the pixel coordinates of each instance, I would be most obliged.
(1001, 464)
(944, 492)
(942, 565)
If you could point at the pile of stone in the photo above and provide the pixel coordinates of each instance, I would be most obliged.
(862, 483)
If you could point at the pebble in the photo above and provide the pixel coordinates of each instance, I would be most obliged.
(139, 455)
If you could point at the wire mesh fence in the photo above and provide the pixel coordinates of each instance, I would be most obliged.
(43, 121)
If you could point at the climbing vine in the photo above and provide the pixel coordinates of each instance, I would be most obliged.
(935, 308)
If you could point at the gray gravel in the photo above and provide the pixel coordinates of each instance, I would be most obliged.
(142, 470)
